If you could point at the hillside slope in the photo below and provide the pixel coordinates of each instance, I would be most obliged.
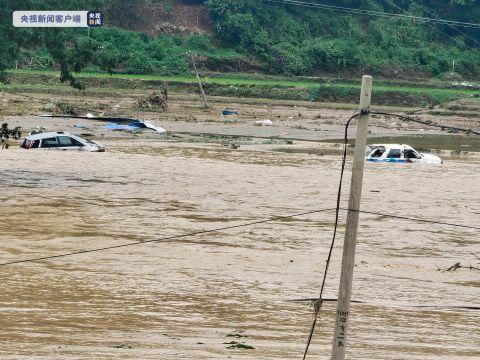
(277, 37)
(164, 17)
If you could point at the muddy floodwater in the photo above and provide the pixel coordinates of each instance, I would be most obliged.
(180, 298)
(428, 142)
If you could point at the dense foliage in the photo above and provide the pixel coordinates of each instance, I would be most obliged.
(269, 36)
(296, 40)
(57, 46)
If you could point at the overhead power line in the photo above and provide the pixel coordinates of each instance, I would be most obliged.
(417, 219)
(396, 304)
(167, 238)
(202, 232)
(438, 30)
(375, 13)
(451, 26)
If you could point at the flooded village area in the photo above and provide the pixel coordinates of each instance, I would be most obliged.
(229, 294)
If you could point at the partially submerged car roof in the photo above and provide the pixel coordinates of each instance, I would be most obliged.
(401, 146)
(44, 135)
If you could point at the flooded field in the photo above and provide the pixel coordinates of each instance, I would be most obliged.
(181, 298)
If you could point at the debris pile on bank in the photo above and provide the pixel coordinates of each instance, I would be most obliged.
(154, 101)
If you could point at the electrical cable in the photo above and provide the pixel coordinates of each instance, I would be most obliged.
(440, 31)
(329, 257)
(395, 305)
(232, 227)
(166, 238)
(427, 123)
(374, 13)
(451, 26)
(415, 219)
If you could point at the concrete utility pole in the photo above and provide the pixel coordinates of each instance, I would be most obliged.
(348, 260)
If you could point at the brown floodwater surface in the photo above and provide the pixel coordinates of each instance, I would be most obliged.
(180, 298)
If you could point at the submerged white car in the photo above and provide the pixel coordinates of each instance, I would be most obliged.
(59, 141)
(398, 153)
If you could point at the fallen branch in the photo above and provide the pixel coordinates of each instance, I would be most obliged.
(457, 266)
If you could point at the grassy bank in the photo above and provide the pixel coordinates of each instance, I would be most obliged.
(248, 87)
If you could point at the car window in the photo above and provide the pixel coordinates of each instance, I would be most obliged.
(411, 154)
(65, 141)
(77, 143)
(395, 154)
(68, 141)
(30, 144)
(49, 142)
(378, 152)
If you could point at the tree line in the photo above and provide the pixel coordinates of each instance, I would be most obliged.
(270, 37)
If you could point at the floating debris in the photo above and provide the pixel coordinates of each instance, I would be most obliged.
(229, 112)
(266, 122)
(230, 144)
(135, 127)
(237, 334)
(237, 345)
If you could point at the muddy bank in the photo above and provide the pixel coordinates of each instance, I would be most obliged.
(321, 91)
(289, 119)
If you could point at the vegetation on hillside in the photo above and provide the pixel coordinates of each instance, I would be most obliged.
(294, 40)
(252, 34)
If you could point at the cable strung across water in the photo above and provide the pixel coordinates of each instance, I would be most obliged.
(415, 219)
(167, 238)
(395, 305)
(174, 237)
(329, 257)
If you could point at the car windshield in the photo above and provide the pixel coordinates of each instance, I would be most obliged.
(395, 154)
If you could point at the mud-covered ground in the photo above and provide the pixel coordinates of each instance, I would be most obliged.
(189, 297)
(290, 119)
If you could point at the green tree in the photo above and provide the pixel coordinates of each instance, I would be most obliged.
(60, 42)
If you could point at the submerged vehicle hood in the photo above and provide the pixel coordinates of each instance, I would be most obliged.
(94, 147)
(430, 159)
